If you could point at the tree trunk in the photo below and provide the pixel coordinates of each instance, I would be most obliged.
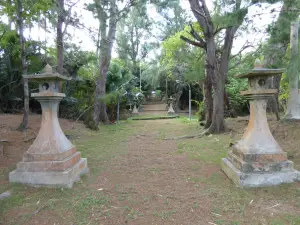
(10, 20)
(208, 99)
(216, 82)
(100, 114)
(24, 124)
(106, 45)
(59, 39)
(218, 123)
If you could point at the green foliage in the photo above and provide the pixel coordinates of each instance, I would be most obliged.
(224, 18)
(133, 37)
(11, 93)
(284, 92)
(280, 29)
(152, 74)
(201, 110)
(118, 76)
(158, 93)
(182, 61)
(174, 17)
(238, 103)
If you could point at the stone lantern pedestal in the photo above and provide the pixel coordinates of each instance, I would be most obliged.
(51, 160)
(171, 109)
(257, 160)
(135, 111)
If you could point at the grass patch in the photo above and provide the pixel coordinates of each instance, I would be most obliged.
(165, 214)
(84, 204)
(207, 149)
(74, 205)
(231, 202)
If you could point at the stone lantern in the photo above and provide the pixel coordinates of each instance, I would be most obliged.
(135, 110)
(257, 160)
(51, 160)
(171, 109)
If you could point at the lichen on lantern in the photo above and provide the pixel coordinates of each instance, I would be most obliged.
(51, 160)
(257, 160)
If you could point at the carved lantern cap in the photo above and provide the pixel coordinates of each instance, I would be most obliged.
(47, 74)
(259, 70)
(257, 81)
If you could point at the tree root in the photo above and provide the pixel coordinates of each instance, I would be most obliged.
(205, 133)
(29, 139)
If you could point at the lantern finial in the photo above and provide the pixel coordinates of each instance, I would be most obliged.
(47, 69)
(258, 64)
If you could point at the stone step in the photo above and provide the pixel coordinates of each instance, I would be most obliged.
(155, 110)
(155, 103)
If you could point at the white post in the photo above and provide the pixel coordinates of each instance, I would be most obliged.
(167, 87)
(293, 107)
(140, 78)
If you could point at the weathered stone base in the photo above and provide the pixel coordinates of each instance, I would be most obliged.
(171, 113)
(51, 178)
(258, 179)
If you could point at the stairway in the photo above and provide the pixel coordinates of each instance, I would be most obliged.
(154, 106)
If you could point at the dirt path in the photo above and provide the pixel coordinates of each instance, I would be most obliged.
(151, 184)
(138, 178)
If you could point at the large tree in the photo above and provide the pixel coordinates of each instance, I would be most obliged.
(25, 12)
(63, 20)
(174, 18)
(108, 14)
(61, 17)
(217, 56)
(222, 25)
(20, 22)
(132, 35)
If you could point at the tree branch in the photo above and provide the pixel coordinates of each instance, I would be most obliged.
(241, 50)
(195, 43)
(218, 30)
(69, 19)
(2, 35)
(123, 12)
(196, 35)
(200, 15)
(235, 65)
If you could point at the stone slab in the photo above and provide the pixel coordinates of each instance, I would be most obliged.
(43, 166)
(51, 179)
(32, 157)
(261, 157)
(259, 166)
(5, 195)
(258, 179)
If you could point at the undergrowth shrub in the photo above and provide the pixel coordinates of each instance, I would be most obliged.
(238, 103)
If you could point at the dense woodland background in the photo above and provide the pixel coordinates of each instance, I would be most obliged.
(192, 45)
